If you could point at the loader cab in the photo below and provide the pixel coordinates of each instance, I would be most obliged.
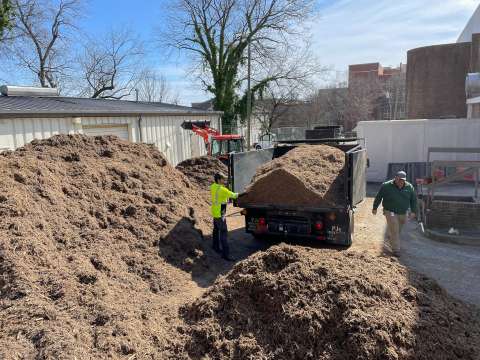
(222, 146)
(226, 146)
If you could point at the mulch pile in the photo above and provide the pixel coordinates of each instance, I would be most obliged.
(200, 170)
(100, 239)
(305, 176)
(296, 303)
(95, 234)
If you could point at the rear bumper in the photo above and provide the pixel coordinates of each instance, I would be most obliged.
(336, 228)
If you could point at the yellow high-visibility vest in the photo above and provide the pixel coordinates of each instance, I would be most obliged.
(220, 195)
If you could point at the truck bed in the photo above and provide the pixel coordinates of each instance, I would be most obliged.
(243, 167)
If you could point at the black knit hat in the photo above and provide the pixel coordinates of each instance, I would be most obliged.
(219, 176)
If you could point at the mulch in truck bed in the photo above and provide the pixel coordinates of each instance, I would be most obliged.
(308, 175)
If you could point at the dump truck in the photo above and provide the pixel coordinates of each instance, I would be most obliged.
(331, 224)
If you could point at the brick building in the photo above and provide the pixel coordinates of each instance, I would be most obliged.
(378, 92)
(436, 75)
(373, 72)
(436, 80)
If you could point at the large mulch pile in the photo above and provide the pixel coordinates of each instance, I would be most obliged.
(95, 234)
(309, 175)
(200, 170)
(297, 303)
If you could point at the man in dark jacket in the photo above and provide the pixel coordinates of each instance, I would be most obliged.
(397, 196)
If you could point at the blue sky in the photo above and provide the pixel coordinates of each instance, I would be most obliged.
(357, 31)
(345, 32)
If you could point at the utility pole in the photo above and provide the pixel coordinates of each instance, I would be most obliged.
(249, 96)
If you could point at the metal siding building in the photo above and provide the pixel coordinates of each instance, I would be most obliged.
(23, 119)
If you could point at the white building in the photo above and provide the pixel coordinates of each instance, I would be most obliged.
(473, 27)
(27, 115)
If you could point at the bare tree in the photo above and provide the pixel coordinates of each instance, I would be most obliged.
(339, 104)
(328, 106)
(110, 66)
(44, 31)
(154, 87)
(274, 104)
(365, 98)
(395, 96)
(218, 33)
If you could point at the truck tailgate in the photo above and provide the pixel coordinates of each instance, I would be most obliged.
(244, 165)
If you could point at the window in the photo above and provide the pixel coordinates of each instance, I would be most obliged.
(235, 145)
(216, 147)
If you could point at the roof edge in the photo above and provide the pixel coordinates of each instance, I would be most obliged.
(43, 114)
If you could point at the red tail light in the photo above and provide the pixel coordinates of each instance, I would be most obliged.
(318, 225)
(262, 222)
(321, 238)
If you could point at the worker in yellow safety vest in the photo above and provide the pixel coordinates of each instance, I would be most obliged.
(220, 196)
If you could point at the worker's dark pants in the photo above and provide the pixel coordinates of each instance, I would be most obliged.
(220, 235)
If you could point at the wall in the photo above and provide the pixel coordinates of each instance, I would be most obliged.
(460, 215)
(401, 141)
(290, 133)
(255, 130)
(436, 81)
(18, 132)
(163, 131)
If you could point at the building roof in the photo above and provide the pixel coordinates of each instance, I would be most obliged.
(205, 105)
(28, 106)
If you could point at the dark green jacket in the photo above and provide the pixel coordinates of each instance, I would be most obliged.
(395, 199)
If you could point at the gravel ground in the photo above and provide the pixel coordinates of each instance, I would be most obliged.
(455, 267)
